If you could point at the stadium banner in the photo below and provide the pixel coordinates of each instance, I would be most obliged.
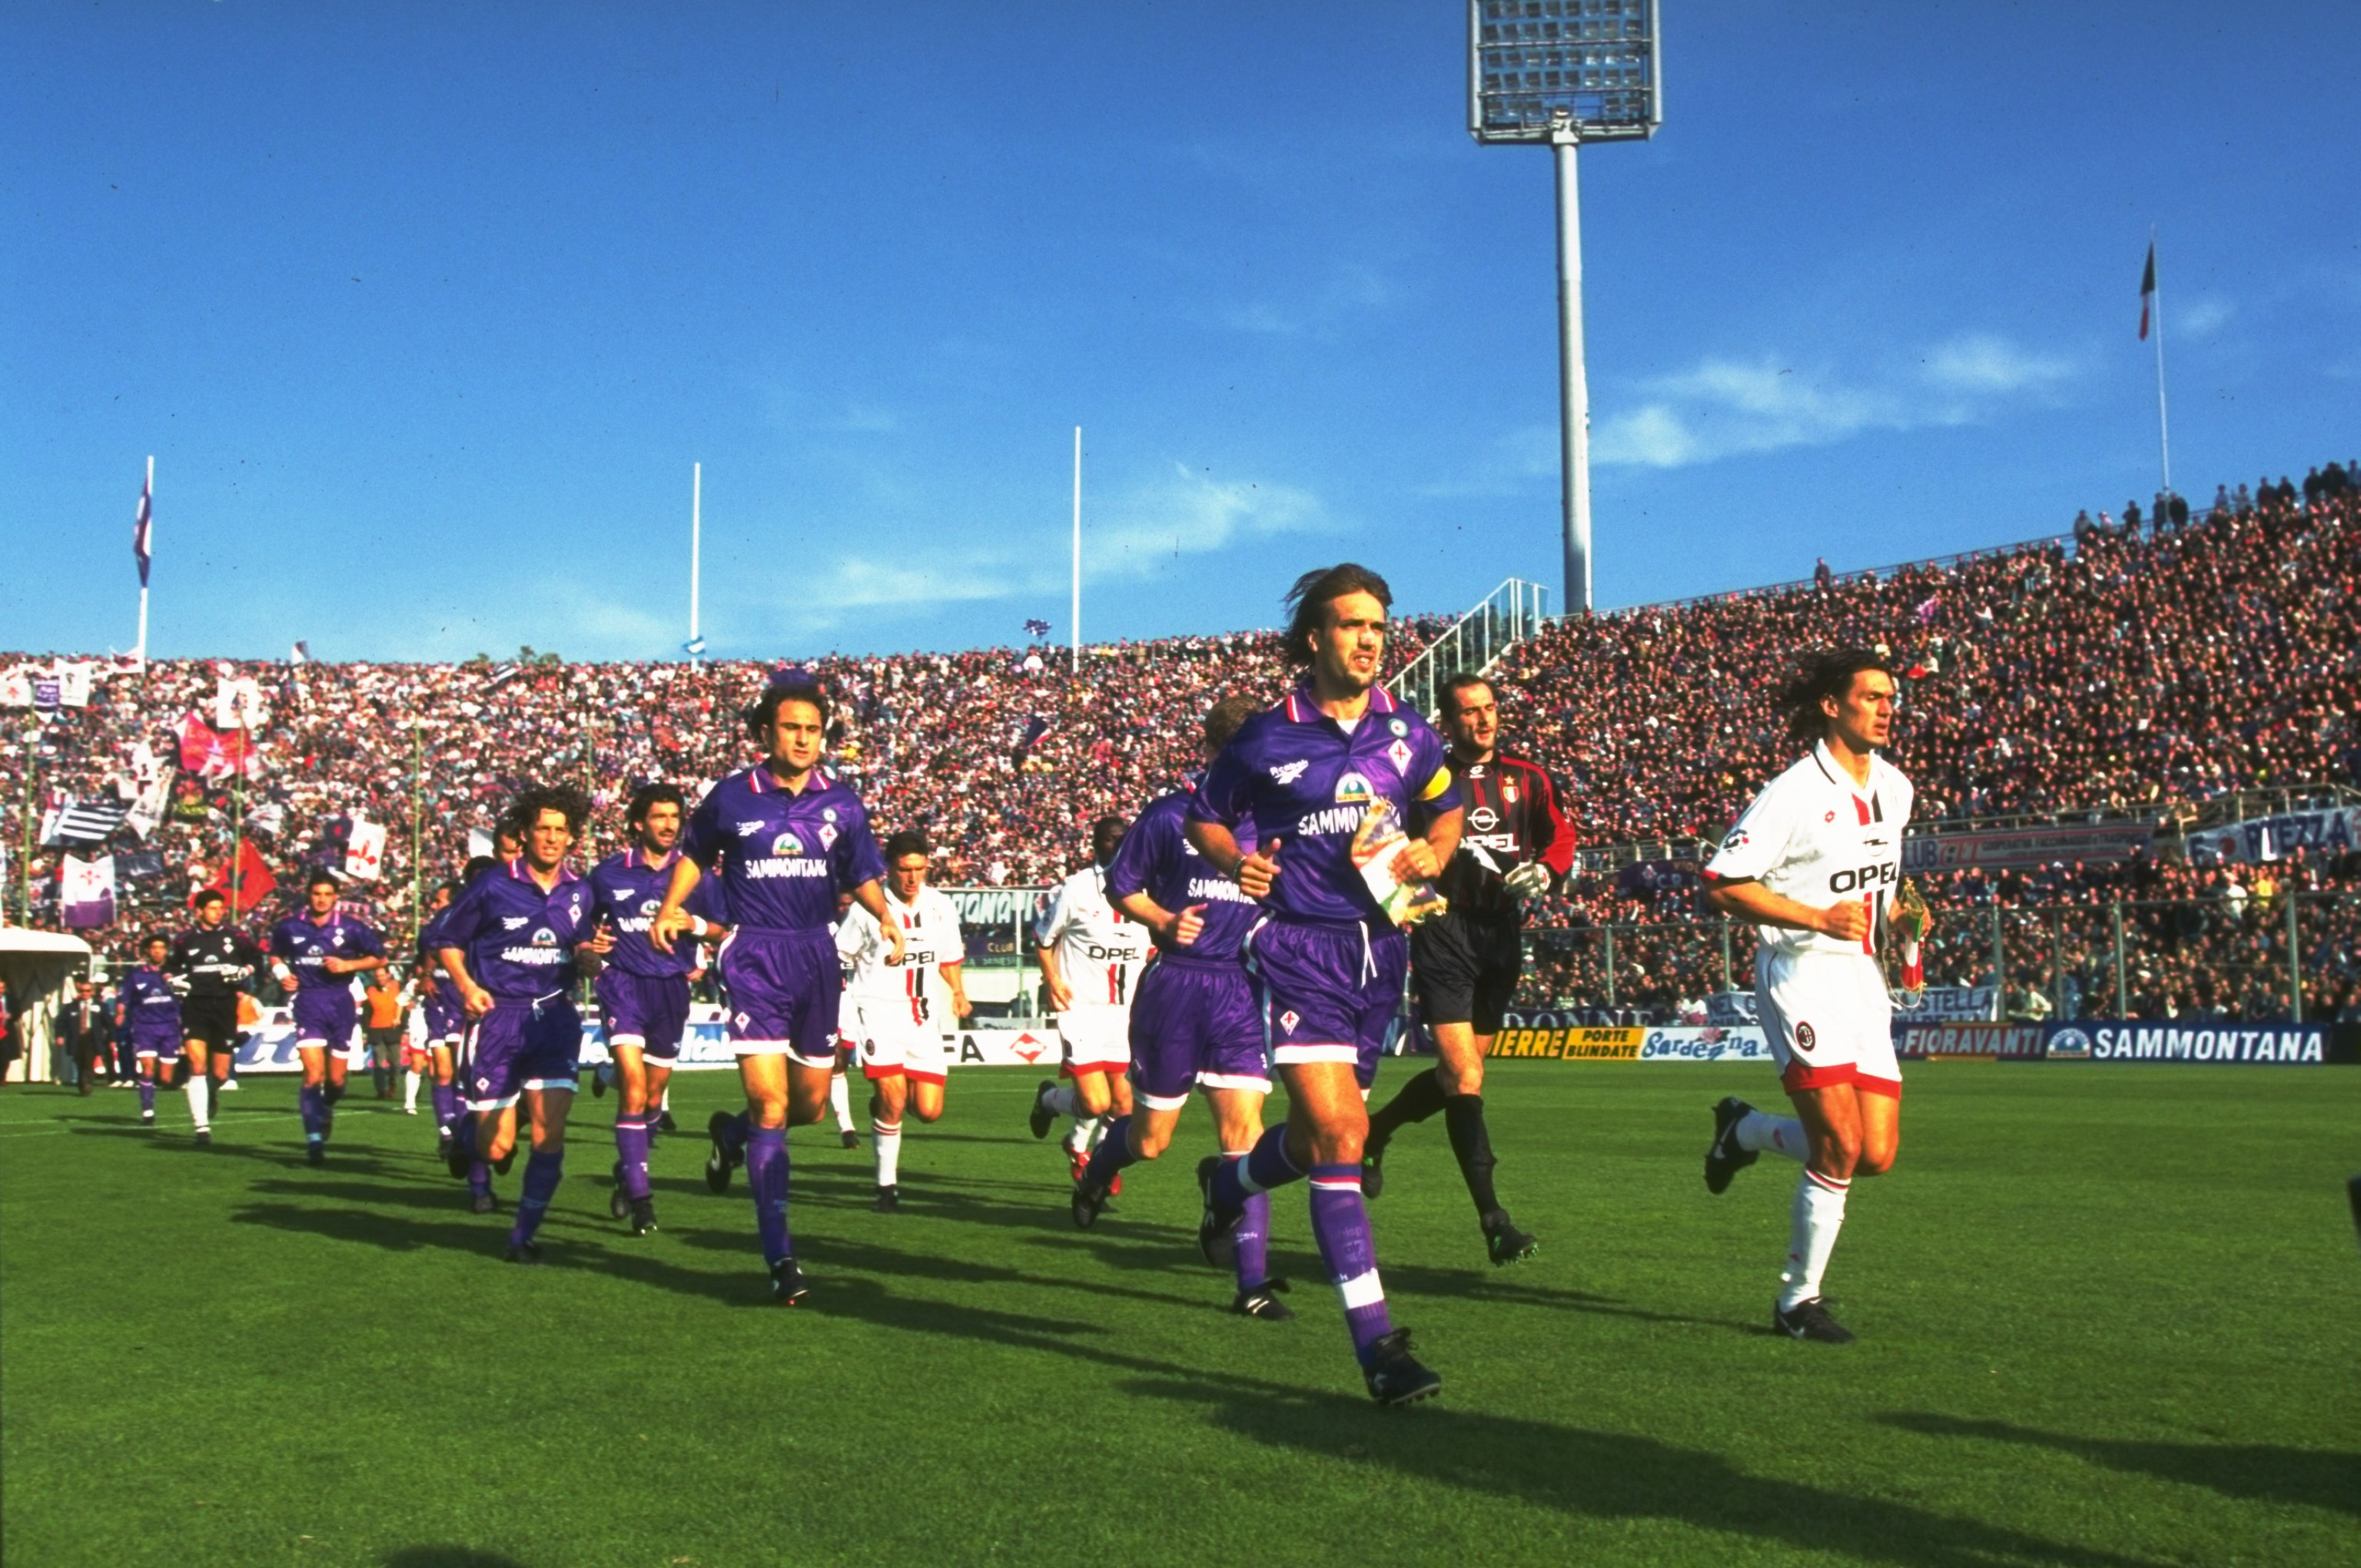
(1919, 1040)
(1937, 1005)
(2256, 1044)
(2261, 839)
(1707, 1044)
(2023, 848)
(1558, 1037)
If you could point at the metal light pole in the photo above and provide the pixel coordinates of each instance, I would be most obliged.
(1561, 72)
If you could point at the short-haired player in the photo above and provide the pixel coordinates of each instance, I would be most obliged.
(1091, 956)
(315, 952)
(210, 966)
(891, 1014)
(1814, 863)
(1193, 1023)
(784, 838)
(512, 942)
(1466, 964)
(1332, 778)
(151, 1013)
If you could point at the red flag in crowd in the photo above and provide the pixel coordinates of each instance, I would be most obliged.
(255, 882)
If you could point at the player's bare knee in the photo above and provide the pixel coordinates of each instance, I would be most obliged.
(1149, 1142)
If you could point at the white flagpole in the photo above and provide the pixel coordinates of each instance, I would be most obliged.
(147, 501)
(695, 548)
(2163, 423)
(1078, 549)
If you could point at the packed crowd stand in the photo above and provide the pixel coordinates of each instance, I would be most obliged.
(2129, 668)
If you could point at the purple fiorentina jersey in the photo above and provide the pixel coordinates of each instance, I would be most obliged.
(307, 945)
(519, 940)
(626, 892)
(1157, 858)
(1296, 774)
(151, 1008)
(783, 858)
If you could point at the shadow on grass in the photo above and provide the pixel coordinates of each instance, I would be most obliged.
(2255, 1472)
(448, 1557)
(1608, 1476)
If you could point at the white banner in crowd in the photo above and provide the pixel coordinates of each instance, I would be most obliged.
(365, 849)
(2094, 843)
(1706, 1045)
(1937, 1005)
(2327, 832)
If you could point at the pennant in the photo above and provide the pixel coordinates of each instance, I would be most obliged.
(253, 883)
(140, 528)
(88, 821)
(2147, 289)
(86, 892)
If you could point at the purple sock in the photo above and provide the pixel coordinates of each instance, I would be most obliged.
(307, 1100)
(1252, 1239)
(542, 1171)
(632, 1152)
(1265, 1167)
(147, 1097)
(1340, 1223)
(738, 1134)
(479, 1176)
(766, 1178)
(446, 1106)
(1112, 1155)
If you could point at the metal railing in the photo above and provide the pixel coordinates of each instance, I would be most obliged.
(2293, 957)
(1474, 643)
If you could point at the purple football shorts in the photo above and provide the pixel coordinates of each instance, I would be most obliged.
(1194, 1026)
(522, 1043)
(644, 1010)
(1328, 993)
(325, 1016)
(784, 987)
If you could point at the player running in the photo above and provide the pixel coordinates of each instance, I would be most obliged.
(1813, 863)
(1194, 1025)
(644, 994)
(444, 1017)
(512, 943)
(150, 1012)
(1329, 777)
(1466, 963)
(316, 953)
(210, 965)
(891, 1018)
(1092, 957)
(784, 837)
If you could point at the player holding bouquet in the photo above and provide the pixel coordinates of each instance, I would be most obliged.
(1815, 865)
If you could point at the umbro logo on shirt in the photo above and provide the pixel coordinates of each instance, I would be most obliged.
(515, 922)
(1288, 773)
(748, 829)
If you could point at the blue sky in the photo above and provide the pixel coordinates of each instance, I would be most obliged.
(425, 310)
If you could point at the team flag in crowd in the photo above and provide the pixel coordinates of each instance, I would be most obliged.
(2147, 289)
(694, 647)
(255, 883)
(300, 655)
(139, 530)
(365, 849)
(209, 753)
(1035, 728)
(86, 821)
(1037, 627)
(86, 892)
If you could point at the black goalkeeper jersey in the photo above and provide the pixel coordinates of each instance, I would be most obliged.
(216, 962)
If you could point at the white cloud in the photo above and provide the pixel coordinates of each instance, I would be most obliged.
(1728, 408)
(2202, 315)
(1349, 289)
(1189, 514)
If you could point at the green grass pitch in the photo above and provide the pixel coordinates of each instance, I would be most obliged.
(2108, 1316)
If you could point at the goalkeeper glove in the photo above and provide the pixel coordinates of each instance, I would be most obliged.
(1530, 879)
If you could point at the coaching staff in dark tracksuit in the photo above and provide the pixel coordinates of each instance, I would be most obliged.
(1464, 966)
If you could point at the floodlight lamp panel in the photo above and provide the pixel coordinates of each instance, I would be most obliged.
(1540, 69)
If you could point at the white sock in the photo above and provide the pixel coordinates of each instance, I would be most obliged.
(839, 1100)
(1099, 1131)
(889, 1151)
(1778, 1135)
(1085, 1129)
(409, 1089)
(1819, 1215)
(199, 1101)
(1062, 1100)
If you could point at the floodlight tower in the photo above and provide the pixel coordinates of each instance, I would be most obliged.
(1564, 72)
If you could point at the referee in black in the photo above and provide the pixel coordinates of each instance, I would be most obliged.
(1464, 966)
(210, 963)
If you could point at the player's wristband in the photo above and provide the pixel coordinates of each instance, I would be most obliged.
(699, 925)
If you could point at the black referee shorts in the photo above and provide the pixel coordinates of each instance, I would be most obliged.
(1466, 966)
(211, 1021)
